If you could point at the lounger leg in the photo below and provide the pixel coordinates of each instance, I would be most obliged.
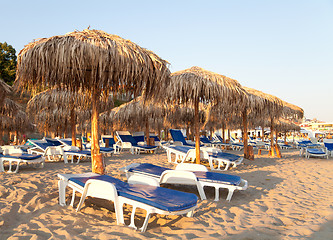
(132, 224)
(211, 165)
(1, 166)
(10, 166)
(17, 167)
(190, 214)
(217, 194)
(119, 212)
(231, 192)
(83, 197)
(227, 166)
(62, 192)
(73, 199)
(145, 223)
(201, 191)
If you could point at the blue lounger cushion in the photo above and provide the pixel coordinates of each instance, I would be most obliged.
(87, 152)
(156, 171)
(23, 156)
(162, 198)
(315, 151)
(130, 138)
(229, 156)
(181, 148)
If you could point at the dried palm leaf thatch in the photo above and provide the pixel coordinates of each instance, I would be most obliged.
(263, 104)
(55, 99)
(4, 90)
(284, 125)
(206, 86)
(90, 59)
(291, 111)
(95, 62)
(9, 107)
(137, 111)
(21, 122)
(180, 116)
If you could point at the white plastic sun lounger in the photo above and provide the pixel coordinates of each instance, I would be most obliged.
(185, 174)
(316, 152)
(17, 156)
(127, 141)
(213, 155)
(150, 198)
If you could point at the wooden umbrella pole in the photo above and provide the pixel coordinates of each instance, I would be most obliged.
(223, 132)
(277, 148)
(96, 158)
(245, 142)
(73, 126)
(147, 131)
(197, 132)
(272, 139)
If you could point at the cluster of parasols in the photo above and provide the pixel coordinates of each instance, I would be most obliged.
(75, 77)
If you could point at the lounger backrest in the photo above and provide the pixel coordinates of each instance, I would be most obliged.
(219, 138)
(178, 177)
(53, 142)
(66, 141)
(177, 136)
(41, 144)
(125, 136)
(204, 139)
(110, 138)
(329, 146)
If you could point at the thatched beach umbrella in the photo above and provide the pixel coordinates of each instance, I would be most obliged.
(70, 104)
(260, 106)
(195, 85)
(137, 113)
(93, 62)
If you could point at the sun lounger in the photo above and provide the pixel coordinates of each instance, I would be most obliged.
(219, 140)
(127, 141)
(208, 143)
(213, 155)
(315, 152)
(179, 139)
(329, 148)
(86, 147)
(150, 198)
(52, 152)
(188, 174)
(18, 156)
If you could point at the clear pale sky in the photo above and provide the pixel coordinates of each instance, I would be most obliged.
(282, 47)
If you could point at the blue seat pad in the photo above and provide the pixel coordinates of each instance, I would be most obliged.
(162, 198)
(329, 146)
(205, 140)
(145, 146)
(23, 156)
(106, 149)
(183, 149)
(67, 142)
(87, 152)
(224, 155)
(53, 142)
(315, 151)
(156, 171)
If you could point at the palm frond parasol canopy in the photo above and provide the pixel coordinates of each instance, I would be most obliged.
(92, 61)
(194, 85)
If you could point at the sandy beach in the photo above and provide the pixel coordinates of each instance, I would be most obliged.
(287, 198)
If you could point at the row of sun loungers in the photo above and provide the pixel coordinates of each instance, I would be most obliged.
(142, 190)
